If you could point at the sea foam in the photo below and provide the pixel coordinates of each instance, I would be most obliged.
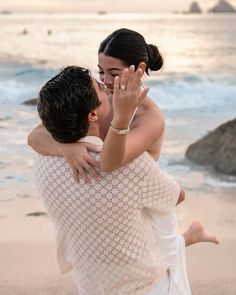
(179, 93)
(194, 93)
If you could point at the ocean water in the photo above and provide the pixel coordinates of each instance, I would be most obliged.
(196, 89)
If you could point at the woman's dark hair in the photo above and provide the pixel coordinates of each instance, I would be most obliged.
(131, 48)
(64, 104)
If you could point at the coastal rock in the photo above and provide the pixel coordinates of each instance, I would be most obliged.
(30, 102)
(222, 6)
(25, 32)
(217, 149)
(101, 12)
(195, 8)
(5, 12)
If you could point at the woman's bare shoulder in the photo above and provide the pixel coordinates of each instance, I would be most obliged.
(148, 112)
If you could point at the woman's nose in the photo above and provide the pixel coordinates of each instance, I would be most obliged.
(108, 81)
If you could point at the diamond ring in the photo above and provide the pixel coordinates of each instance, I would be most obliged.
(122, 87)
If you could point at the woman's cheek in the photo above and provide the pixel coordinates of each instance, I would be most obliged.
(101, 77)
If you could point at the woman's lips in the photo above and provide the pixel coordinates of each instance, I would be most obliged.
(110, 89)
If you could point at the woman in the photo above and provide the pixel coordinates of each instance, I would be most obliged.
(125, 48)
(120, 49)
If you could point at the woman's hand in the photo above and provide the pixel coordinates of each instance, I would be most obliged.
(128, 94)
(82, 164)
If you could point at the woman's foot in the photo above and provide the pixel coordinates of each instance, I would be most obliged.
(197, 233)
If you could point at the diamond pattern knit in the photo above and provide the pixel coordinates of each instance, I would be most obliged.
(101, 229)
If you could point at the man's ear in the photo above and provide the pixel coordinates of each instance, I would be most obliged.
(93, 116)
(142, 66)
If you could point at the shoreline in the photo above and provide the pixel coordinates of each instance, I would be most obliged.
(24, 61)
(184, 91)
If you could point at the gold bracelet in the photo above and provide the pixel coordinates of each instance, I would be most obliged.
(119, 131)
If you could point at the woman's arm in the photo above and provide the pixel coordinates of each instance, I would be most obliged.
(121, 149)
(76, 154)
(155, 149)
(43, 143)
(146, 130)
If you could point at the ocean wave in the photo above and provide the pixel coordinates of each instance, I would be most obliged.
(221, 183)
(192, 92)
(21, 82)
(12, 91)
(172, 93)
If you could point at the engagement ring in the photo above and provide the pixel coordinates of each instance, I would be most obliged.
(122, 87)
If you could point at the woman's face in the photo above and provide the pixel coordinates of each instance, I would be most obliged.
(104, 109)
(109, 67)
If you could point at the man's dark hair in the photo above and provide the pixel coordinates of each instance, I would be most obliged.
(64, 103)
(131, 48)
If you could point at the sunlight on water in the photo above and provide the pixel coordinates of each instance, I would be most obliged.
(196, 85)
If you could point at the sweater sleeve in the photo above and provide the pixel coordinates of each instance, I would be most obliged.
(160, 192)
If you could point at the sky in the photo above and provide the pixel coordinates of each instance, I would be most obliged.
(106, 5)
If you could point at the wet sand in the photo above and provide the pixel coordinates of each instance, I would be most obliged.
(28, 263)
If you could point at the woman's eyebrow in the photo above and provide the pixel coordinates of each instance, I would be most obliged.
(111, 69)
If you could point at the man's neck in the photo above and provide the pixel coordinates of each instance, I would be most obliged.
(94, 131)
(99, 129)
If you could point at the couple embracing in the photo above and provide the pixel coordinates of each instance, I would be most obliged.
(111, 206)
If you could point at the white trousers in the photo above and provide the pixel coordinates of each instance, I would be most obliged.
(172, 245)
(162, 288)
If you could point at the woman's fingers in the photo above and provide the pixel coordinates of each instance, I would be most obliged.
(82, 174)
(124, 79)
(75, 174)
(86, 170)
(116, 86)
(129, 79)
(132, 78)
(137, 77)
(90, 170)
(94, 174)
(127, 92)
(81, 162)
(93, 162)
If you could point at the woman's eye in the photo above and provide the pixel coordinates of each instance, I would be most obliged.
(101, 73)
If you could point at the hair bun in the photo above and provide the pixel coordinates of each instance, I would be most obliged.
(155, 62)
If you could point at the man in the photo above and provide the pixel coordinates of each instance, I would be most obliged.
(102, 229)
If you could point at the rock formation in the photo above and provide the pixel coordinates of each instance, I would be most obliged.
(5, 12)
(37, 214)
(217, 149)
(30, 102)
(25, 32)
(195, 8)
(222, 6)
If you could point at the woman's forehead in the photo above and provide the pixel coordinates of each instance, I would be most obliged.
(111, 63)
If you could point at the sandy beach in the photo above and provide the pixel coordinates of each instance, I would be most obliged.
(27, 250)
(29, 56)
